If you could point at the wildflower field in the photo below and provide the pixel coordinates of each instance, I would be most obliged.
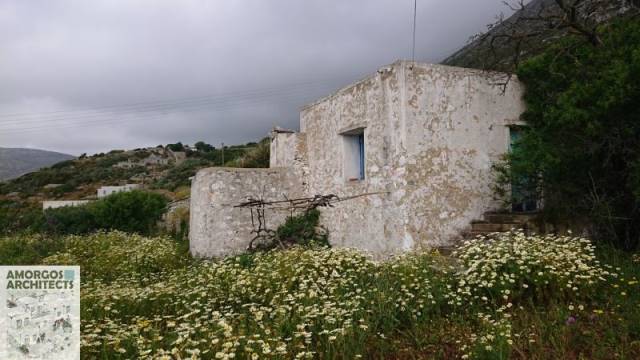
(515, 296)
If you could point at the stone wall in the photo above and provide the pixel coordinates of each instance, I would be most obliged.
(217, 228)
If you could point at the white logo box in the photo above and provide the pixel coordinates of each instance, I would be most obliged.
(40, 312)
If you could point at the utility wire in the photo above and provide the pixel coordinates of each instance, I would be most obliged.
(197, 103)
(160, 105)
(153, 117)
(413, 44)
(171, 101)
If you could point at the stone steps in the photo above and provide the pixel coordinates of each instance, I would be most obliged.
(499, 222)
(509, 217)
(485, 226)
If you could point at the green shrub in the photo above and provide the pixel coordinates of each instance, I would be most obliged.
(303, 230)
(580, 149)
(256, 156)
(179, 175)
(18, 217)
(70, 220)
(133, 211)
(28, 249)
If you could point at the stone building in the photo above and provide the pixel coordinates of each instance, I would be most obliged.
(54, 204)
(104, 191)
(419, 138)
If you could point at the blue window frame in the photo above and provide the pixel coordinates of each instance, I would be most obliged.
(354, 155)
(361, 155)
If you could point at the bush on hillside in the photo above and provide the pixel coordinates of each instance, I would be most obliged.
(28, 249)
(70, 220)
(580, 149)
(18, 217)
(255, 157)
(134, 211)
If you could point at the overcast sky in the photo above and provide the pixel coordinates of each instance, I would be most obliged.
(92, 75)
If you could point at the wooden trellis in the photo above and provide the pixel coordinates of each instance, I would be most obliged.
(259, 206)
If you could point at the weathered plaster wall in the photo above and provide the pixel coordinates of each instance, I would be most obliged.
(456, 126)
(375, 222)
(217, 228)
(431, 133)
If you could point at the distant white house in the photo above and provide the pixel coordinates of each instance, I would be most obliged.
(108, 190)
(152, 160)
(52, 204)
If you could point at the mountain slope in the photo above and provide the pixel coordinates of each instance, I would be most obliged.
(481, 55)
(163, 168)
(15, 162)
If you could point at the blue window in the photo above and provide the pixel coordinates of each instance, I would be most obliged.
(361, 155)
(354, 155)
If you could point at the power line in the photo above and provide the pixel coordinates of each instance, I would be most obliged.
(413, 46)
(102, 122)
(170, 101)
(177, 106)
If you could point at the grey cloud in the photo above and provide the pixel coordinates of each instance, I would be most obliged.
(69, 55)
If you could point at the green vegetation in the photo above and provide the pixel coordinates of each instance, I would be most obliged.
(68, 220)
(16, 216)
(580, 151)
(256, 157)
(81, 177)
(107, 256)
(510, 297)
(20, 199)
(134, 211)
(179, 175)
(28, 249)
(303, 230)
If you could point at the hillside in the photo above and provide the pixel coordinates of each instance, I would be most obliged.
(480, 54)
(15, 162)
(162, 168)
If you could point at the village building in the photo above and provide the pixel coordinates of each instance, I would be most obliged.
(416, 140)
(178, 156)
(53, 204)
(104, 191)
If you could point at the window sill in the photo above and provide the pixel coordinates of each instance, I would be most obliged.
(355, 182)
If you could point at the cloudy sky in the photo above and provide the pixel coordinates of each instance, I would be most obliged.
(95, 75)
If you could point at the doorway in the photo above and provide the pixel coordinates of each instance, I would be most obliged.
(523, 199)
